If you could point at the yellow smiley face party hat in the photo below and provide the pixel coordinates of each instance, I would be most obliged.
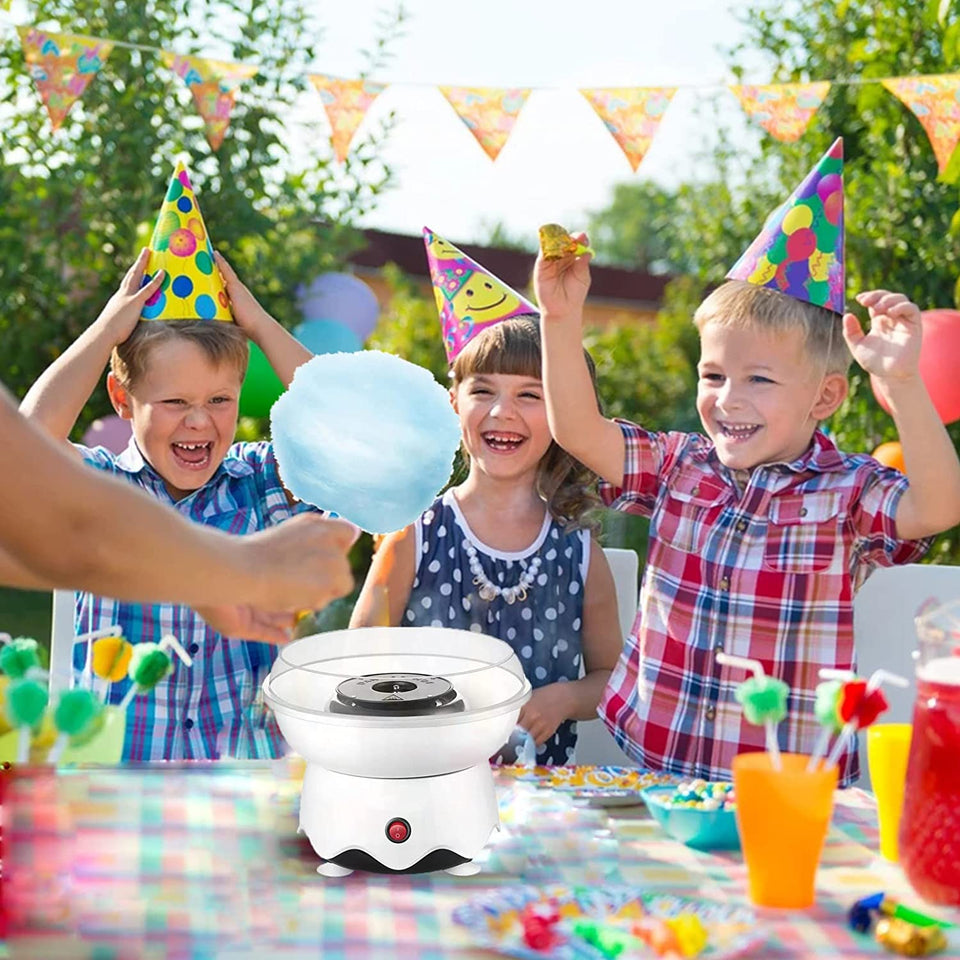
(192, 288)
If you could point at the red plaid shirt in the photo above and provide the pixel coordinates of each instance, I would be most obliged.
(765, 569)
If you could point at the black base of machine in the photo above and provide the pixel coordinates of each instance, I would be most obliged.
(435, 860)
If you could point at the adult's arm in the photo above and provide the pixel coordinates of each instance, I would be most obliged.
(70, 526)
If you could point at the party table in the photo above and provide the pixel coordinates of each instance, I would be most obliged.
(204, 861)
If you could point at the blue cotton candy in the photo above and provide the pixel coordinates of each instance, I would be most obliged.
(366, 435)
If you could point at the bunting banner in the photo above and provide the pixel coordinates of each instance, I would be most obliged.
(213, 85)
(488, 112)
(345, 103)
(632, 115)
(784, 110)
(933, 100)
(62, 66)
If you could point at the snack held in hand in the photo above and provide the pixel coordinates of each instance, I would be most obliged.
(556, 243)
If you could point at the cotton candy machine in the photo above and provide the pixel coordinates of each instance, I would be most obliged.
(396, 726)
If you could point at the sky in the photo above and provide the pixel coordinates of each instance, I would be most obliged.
(560, 161)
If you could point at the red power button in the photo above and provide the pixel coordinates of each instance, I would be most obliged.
(398, 830)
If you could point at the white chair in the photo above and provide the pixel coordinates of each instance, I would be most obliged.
(595, 745)
(61, 641)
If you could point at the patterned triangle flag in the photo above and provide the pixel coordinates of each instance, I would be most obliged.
(213, 85)
(784, 110)
(61, 66)
(934, 102)
(632, 115)
(488, 112)
(345, 102)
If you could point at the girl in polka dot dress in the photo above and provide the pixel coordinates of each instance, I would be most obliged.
(506, 552)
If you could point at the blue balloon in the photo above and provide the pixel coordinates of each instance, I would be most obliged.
(366, 435)
(327, 336)
(344, 298)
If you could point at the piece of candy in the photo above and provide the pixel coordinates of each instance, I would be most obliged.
(827, 703)
(111, 658)
(539, 920)
(76, 711)
(610, 941)
(26, 701)
(18, 656)
(909, 940)
(656, 935)
(556, 243)
(764, 699)
(149, 664)
(690, 933)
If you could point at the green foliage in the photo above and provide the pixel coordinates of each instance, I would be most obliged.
(75, 206)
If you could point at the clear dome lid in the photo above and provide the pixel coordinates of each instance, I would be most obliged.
(409, 676)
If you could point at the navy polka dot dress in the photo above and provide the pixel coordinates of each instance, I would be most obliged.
(544, 629)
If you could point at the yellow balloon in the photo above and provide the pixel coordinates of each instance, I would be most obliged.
(820, 265)
(797, 218)
(763, 271)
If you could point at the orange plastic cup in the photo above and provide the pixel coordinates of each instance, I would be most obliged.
(783, 818)
(888, 747)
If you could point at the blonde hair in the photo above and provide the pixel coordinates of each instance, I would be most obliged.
(741, 304)
(221, 343)
(513, 347)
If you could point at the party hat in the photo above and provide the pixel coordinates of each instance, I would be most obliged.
(469, 298)
(800, 249)
(192, 288)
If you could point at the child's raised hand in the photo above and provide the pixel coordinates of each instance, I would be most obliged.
(561, 285)
(122, 311)
(246, 309)
(890, 350)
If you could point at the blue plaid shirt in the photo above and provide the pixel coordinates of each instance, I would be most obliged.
(215, 708)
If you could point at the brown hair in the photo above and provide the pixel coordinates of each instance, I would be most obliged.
(741, 304)
(220, 342)
(513, 347)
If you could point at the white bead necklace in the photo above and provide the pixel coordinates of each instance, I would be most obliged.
(490, 591)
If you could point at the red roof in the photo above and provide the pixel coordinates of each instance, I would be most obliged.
(513, 267)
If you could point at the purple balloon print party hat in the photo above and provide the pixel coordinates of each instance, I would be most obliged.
(800, 249)
(469, 298)
(192, 287)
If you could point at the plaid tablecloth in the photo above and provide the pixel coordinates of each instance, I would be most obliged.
(204, 862)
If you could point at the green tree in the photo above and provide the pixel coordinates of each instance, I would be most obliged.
(75, 206)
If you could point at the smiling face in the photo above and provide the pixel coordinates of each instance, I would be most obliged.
(183, 409)
(442, 250)
(759, 395)
(483, 299)
(503, 419)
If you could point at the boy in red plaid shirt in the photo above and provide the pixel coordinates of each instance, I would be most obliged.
(762, 530)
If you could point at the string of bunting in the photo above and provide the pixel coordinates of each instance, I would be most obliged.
(62, 66)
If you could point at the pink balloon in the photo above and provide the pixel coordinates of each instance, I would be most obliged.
(939, 358)
(113, 432)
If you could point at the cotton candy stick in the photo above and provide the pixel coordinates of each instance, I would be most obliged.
(142, 651)
(831, 677)
(853, 724)
(771, 712)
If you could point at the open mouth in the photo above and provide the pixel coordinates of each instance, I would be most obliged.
(738, 431)
(503, 442)
(192, 456)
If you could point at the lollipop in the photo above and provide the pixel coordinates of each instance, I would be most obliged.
(556, 243)
(111, 658)
(150, 663)
(18, 656)
(78, 717)
(764, 701)
(26, 702)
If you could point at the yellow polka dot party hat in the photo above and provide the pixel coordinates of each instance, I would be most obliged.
(192, 288)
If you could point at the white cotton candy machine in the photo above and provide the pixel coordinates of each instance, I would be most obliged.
(396, 725)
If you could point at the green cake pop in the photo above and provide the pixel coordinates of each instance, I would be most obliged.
(764, 699)
(18, 656)
(150, 664)
(76, 717)
(825, 707)
(26, 703)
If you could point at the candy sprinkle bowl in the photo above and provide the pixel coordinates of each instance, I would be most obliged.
(697, 827)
